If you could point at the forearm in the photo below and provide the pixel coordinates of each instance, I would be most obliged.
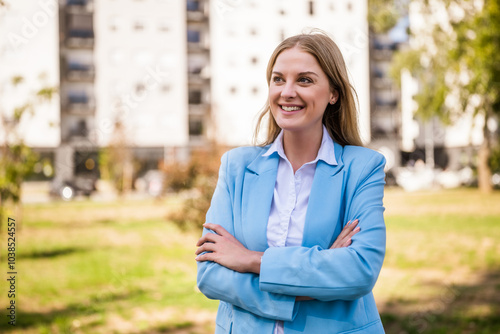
(242, 290)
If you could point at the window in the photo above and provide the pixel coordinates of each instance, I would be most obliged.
(140, 88)
(114, 23)
(139, 25)
(80, 26)
(195, 126)
(164, 25)
(282, 35)
(311, 7)
(193, 5)
(193, 36)
(165, 88)
(195, 96)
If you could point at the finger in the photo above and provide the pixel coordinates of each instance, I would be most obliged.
(205, 257)
(356, 230)
(348, 228)
(209, 237)
(206, 247)
(216, 228)
(346, 243)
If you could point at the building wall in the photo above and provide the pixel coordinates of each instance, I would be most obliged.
(29, 48)
(243, 37)
(140, 57)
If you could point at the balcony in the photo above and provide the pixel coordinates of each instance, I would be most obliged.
(77, 131)
(79, 104)
(196, 41)
(77, 72)
(79, 6)
(388, 104)
(196, 11)
(80, 38)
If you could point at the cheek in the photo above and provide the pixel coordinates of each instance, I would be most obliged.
(273, 93)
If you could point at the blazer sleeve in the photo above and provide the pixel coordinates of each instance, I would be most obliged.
(337, 274)
(239, 289)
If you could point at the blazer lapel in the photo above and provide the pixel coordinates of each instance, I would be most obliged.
(325, 209)
(257, 196)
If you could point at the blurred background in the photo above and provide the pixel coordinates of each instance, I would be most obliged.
(114, 115)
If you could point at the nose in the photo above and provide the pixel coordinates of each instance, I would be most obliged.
(288, 91)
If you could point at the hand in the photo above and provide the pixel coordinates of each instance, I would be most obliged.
(227, 251)
(344, 238)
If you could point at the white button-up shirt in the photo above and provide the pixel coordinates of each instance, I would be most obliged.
(291, 196)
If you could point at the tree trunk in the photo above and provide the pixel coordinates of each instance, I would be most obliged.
(483, 165)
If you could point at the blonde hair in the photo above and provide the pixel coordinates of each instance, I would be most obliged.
(340, 119)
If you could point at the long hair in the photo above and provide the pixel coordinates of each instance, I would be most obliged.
(340, 119)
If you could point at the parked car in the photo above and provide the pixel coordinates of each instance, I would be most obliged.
(152, 182)
(79, 185)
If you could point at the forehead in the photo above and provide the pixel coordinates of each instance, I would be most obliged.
(295, 59)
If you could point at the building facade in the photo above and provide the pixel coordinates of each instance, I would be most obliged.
(174, 74)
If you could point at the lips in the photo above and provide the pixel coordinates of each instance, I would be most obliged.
(290, 108)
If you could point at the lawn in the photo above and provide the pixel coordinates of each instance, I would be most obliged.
(121, 267)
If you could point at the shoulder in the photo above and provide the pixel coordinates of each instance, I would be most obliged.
(362, 161)
(359, 154)
(242, 156)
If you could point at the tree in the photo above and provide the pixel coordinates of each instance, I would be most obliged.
(384, 14)
(17, 159)
(457, 66)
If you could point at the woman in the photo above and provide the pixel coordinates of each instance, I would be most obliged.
(279, 250)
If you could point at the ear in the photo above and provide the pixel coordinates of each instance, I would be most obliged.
(334, 96)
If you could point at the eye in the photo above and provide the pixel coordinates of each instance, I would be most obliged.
(305, 80)
(277, 79)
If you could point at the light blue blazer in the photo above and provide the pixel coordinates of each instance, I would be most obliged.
(340, 280)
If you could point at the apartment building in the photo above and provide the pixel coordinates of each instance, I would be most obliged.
(243, 36)
(174, 74)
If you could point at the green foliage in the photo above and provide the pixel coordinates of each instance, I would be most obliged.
(463, 62)
(383, 14)
(16, 162)
(16, 159)
(457, 60)
(116, 160)
(198, 179)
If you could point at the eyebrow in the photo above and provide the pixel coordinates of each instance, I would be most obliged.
(301, 73)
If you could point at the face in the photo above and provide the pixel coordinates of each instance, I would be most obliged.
(299, 91)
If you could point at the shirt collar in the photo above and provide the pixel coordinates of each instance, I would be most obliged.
(326, 150)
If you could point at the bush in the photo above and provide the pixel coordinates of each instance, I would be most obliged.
(195, 181)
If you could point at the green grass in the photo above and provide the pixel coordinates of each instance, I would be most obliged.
(442, 268)
(120, 267)
(89, 274)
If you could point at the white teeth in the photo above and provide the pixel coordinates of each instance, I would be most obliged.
(290, 108)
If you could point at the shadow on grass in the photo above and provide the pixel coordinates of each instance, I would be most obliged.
(51, 253)
(457, 309)
(64, 318)
(182, 327)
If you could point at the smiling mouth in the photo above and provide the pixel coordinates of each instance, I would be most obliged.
(293, 108)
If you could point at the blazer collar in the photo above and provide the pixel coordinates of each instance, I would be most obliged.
(258, 190)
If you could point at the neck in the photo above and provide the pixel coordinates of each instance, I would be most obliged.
(301, 147)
